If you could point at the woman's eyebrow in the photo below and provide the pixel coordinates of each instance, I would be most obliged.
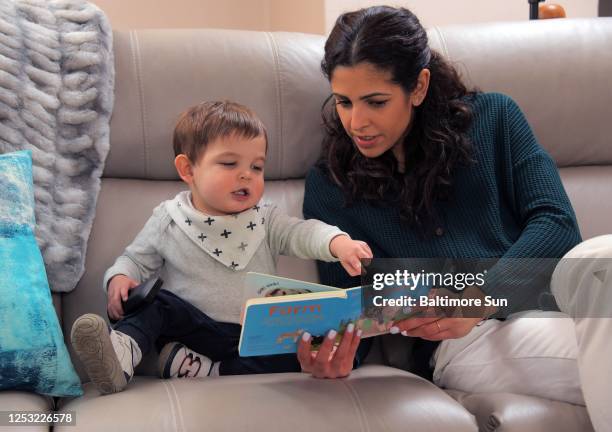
(369, 95)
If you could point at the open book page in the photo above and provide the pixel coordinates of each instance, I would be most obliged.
(265, 285)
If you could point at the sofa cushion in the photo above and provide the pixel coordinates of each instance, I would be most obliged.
(32, 351)
(12, 401)
(373, 398)
(588, 188)
(507, 412)
(162, 72)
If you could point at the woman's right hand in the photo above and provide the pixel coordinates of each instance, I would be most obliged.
(118, 288)
(329, 362)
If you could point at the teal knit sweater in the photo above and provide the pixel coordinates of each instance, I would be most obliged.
(509, 204)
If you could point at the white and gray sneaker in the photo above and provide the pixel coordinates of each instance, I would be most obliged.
(109, 356)
(178, 361)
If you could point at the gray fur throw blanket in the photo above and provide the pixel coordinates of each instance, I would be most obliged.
(56, 98)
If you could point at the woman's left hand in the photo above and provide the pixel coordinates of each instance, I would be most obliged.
(436, 328)
(437, 324)
(329, 362)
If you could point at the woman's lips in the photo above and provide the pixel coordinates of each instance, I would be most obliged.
(366, 141)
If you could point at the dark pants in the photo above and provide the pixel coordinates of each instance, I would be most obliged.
(169, 318)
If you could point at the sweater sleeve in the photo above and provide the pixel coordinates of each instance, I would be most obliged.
(321, 201)
(549, 226)
(306, 239)
(141, 258)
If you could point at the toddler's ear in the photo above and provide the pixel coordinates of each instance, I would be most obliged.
(183, 167)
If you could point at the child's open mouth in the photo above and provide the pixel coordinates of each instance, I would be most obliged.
(241, 194)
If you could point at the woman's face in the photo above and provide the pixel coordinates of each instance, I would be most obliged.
(375, 112)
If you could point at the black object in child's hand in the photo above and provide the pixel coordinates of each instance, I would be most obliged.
(142, 294)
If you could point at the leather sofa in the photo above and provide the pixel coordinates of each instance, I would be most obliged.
(557, 70)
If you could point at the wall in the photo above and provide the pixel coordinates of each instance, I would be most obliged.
(446, 12)
(137, 14)
(311, 16)
(304, 16)
(269, 15)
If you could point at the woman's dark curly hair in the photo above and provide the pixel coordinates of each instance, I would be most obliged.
(392, 39)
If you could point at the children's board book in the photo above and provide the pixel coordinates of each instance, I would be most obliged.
(279, 310)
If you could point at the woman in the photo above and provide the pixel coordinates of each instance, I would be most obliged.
(417, 165)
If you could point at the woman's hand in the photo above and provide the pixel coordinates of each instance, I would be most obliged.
(440, 323)
(118, 288)
(329, 362)
(435, 328)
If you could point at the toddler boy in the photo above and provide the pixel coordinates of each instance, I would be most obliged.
(202, 243)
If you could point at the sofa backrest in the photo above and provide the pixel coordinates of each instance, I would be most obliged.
(556, 70)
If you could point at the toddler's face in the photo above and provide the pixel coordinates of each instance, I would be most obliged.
(229, 177)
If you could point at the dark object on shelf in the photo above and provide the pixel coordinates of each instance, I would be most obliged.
(533, 8)
(605, 8)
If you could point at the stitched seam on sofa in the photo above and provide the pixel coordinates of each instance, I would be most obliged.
(141, 99)
(442, 43)
(179, 410)
(506, 360)
(357, 403)
(174, 405)
(279, 113)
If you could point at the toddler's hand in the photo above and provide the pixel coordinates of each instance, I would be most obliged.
(349, 252)
(118, 288)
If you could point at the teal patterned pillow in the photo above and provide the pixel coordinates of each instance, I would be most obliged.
(33, 356)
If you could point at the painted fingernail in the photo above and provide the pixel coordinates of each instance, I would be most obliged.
(306, 337)
(359, 333)
(394, 330)
(404, 333)
(332, 334)
(350, 328)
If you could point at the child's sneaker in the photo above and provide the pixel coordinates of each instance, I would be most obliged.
(109, 356)
(178, 361)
